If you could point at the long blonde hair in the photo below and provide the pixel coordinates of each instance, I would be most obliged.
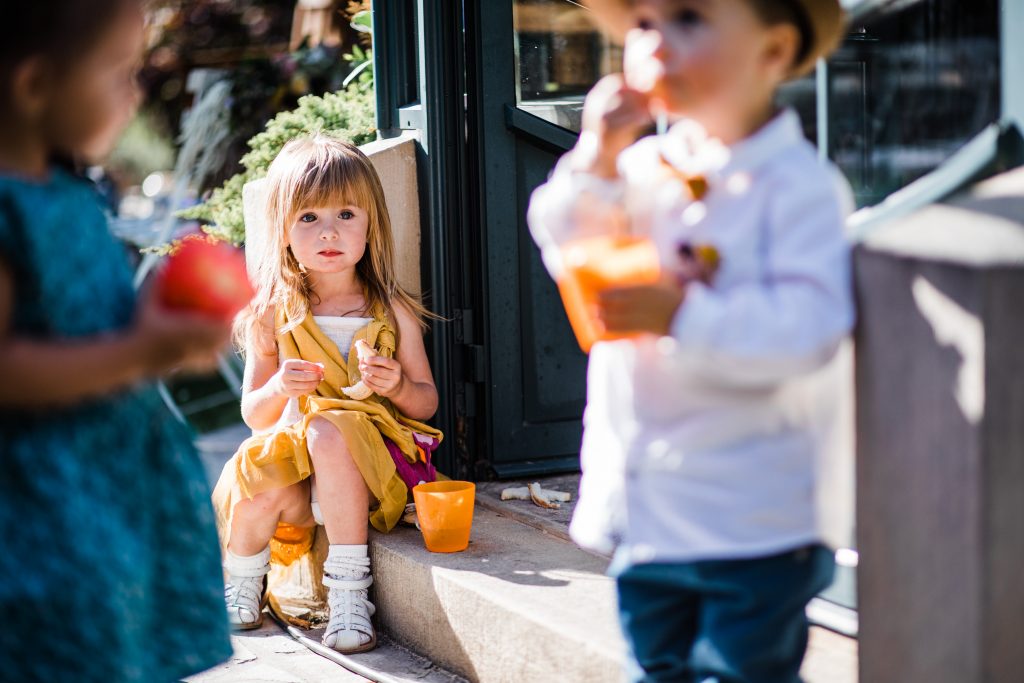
(321, 171)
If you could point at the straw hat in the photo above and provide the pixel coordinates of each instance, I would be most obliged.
(823, 30)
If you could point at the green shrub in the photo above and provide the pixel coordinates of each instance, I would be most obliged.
(348, 114)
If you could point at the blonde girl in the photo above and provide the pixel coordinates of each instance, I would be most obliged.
(326, 282)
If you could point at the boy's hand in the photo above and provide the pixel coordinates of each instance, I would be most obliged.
(297, 377)
(383, 375)
(614, 115)
(169, 340)
(640, 308)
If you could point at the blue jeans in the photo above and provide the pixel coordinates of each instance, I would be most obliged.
(721, 621)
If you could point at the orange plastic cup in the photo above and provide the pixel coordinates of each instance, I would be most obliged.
(594, 264)
(445, 513)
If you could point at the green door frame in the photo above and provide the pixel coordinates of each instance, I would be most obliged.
(419, 80)
(526, 343)
(434, 82)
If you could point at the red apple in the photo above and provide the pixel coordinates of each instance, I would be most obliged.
(205, 277)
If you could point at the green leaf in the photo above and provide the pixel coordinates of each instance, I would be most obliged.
(363, 21)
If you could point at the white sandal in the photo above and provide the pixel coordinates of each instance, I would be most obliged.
(245, 593)
(351, 608)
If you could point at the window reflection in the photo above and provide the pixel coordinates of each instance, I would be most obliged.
(913, 81)
(559, 57)
(908, 87)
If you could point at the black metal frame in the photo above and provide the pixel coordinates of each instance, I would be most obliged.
(512, 148)
(445, 254)
(418, 63)
(548, 135)
(421, 81)
(395, 72)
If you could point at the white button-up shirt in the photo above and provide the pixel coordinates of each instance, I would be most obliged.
(706, 444)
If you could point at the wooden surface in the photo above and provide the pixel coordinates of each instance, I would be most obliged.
(940, 465)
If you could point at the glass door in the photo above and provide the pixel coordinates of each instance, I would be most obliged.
(558, 56)
(529, 64)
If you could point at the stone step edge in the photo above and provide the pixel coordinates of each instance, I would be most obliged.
(467, 626)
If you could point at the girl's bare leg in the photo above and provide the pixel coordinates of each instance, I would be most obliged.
(342, 493)
(254, 521)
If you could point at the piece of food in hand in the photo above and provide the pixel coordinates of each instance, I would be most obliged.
(207, 277)
(359, 390)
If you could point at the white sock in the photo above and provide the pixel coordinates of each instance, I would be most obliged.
(338, 550)
(247, 565)
(347, 561)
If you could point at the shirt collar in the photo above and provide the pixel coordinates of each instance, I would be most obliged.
(688, 148)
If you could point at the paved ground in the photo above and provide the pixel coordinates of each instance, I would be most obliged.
(270, 655)
(831, 658)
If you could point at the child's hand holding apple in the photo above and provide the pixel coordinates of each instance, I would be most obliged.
(183, 319)
(205, 277)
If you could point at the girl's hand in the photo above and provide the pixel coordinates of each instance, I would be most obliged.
(169, 340)
(614, 115)
(383, 375)
(642, 308)
(297, 377)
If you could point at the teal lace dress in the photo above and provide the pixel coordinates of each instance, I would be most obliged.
(109, 560)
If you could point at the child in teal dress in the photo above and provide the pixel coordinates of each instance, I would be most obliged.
(109, 561)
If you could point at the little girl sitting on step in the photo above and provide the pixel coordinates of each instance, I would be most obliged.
(325, 282)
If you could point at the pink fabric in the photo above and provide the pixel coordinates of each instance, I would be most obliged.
(414, 473)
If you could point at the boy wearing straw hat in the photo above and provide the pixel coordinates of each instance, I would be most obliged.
(703, 430)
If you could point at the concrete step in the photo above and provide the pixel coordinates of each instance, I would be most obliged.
(522, 605)
(517, 605)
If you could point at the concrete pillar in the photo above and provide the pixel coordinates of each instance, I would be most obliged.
(940, 441)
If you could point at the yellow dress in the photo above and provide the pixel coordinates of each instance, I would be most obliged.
(281, 458)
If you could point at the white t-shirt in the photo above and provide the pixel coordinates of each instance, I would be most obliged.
(708, 444)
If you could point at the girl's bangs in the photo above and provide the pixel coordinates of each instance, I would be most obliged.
(333, 182)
